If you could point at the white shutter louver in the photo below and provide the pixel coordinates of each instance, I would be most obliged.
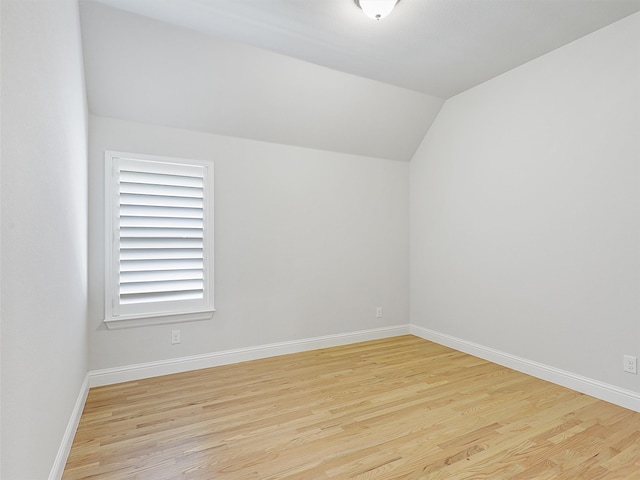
(160, 229)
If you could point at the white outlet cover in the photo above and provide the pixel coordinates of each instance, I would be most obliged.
(630, 364)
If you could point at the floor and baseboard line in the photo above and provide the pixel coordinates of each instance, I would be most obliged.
(95, 378)
(110, 376)
(67, 440)
(176, 365)
(603, 391)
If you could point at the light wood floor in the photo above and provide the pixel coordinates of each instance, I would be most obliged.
(399, 408)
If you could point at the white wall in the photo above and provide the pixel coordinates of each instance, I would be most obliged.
(307, 243)
(44, 231)
(524, 210)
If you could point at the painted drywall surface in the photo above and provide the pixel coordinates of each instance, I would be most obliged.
(307, 243)
(44, 231)
(525, 207)
(156, 73)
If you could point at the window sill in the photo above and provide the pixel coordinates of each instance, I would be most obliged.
(139, 321)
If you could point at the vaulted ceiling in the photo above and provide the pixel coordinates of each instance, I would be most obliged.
(315, 73)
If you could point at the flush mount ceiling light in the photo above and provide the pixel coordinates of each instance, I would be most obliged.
(376, 9)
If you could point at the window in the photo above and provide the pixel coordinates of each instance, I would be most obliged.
(159, 240)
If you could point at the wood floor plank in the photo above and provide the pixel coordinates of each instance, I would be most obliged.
(397, 408)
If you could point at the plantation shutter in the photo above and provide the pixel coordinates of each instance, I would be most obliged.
(160, 229)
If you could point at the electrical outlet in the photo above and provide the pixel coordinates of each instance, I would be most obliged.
(379, 312)
(630, 364)
(175, 337)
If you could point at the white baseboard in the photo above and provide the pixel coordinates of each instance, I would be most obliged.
(128, 373)
(67, 440)
(603, 391)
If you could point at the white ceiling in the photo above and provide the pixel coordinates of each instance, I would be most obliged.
(437, 47)
(152, 72)
(314, 73)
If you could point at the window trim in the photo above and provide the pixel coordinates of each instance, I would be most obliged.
(114, 320)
